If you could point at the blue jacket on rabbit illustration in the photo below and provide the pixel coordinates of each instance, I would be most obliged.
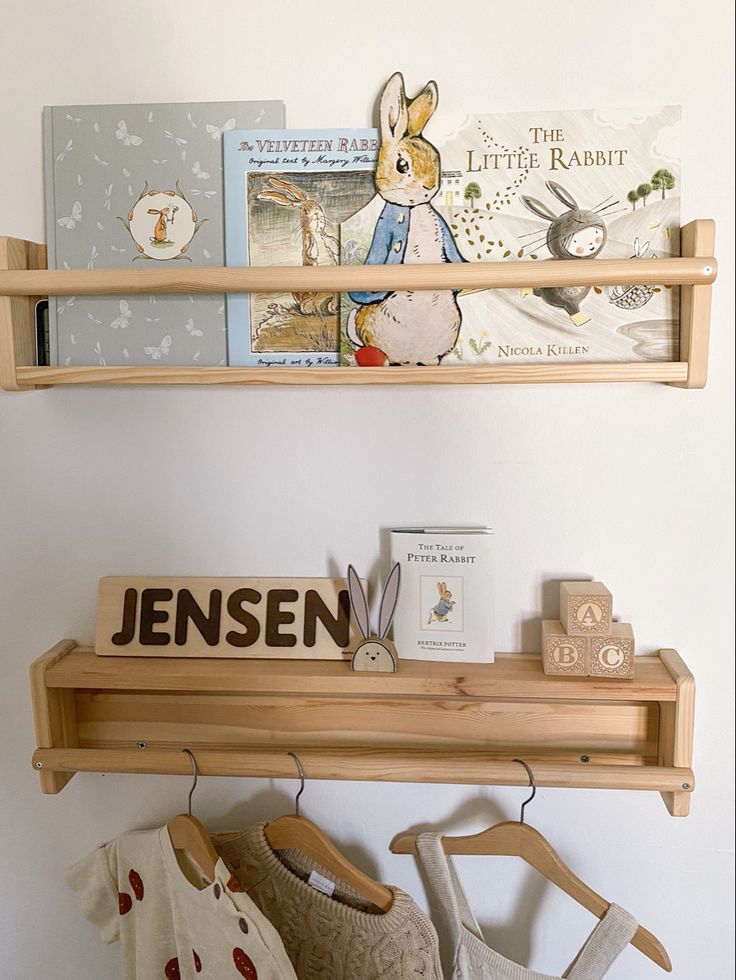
(389, 245)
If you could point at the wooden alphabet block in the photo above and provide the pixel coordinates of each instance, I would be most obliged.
(613, 655)
(586, 608)
(563, 654)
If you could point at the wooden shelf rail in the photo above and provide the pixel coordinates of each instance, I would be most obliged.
(24, 279)
(430, 722)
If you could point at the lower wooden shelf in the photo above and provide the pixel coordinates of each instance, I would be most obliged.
(430, 722)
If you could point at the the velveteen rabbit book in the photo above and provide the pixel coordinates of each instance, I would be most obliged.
(131, 186)
(568, 185)
(446, 607)
(287, 193)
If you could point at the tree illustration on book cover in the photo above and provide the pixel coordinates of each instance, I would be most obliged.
(569, 185)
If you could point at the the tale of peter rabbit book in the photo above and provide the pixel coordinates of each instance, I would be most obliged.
(287, 193)
(131, 186)
(445, 611)
(567, 185)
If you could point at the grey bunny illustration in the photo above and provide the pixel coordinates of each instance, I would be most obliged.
(574, 234)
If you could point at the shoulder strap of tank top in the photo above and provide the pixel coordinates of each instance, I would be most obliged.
(606, 942)
(444, 887)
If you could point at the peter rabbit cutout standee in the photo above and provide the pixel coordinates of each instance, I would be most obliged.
(408, 327)
(574, 234)
(375, 652)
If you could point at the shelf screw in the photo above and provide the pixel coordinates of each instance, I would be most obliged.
(585, 758)
(39, 765)
(143, 745)
(686, 785)
(708, 269)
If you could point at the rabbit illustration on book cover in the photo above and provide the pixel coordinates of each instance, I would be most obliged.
(574, 234)
(444, 607)
(409, 327)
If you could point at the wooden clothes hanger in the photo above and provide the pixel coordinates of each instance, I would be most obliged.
(298, 832)
(512, 838)
(189, 834)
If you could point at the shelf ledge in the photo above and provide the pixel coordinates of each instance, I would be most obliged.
(669, 371)
(429, 722)
(24, 279)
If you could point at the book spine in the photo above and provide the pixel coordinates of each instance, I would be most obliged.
(50, 212)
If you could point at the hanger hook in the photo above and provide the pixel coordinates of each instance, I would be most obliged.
(532, 783)
(195, 776)
(300, 770)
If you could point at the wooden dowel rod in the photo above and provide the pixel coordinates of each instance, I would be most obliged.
(276, 279)
(477, 374)
(365, 764)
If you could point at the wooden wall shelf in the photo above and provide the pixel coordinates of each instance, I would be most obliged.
(430, 722)
(24, 278)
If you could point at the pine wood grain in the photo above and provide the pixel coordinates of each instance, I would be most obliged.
(661, 371)
(381, 765)
(514, 675)
(696, 239)
(54, 716)
(430, 722)
(677, 721)
(17, 311)
(276, 279)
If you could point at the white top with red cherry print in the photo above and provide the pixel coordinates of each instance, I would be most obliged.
(171, 921)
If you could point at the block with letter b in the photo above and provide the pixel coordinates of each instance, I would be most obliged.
(613, 655)
(563, 654)
(586, 608)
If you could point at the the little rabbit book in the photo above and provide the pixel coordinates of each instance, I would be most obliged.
(445, 611)
(567, 185)
(139, 186)
(287, 193)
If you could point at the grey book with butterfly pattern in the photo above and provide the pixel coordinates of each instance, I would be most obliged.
(131, 186)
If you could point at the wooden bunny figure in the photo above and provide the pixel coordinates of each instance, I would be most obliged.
(374, 652)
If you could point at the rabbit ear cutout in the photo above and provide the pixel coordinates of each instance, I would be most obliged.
(277, 198)
(561, 194)
(537, 207)
(358, 602)
(394, 116)
(290, 189)
(389, 600)
(439, 588)
(421, 109)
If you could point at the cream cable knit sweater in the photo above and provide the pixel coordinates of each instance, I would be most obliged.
(330, 938)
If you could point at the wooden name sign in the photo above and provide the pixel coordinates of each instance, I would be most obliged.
(280, 618)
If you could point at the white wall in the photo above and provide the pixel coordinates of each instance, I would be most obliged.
(218, 481)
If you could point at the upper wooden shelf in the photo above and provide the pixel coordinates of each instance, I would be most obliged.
(24, 279)
(429, 722)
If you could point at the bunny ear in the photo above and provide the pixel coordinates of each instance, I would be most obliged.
(388, 600)
(561, 194)
(358, 602)
(422, 108)
(291, 190)
(394, 116)
(277, 198)
(538, 208)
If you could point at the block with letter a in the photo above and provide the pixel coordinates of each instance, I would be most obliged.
(586, 608)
